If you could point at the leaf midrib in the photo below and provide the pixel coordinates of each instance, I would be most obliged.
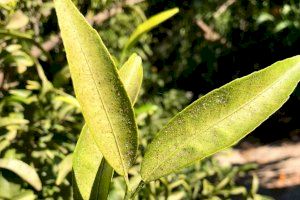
(229, 115)
(100, 98)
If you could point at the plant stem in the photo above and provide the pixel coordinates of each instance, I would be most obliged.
(130, 194)
(127, 192)
(137, 189)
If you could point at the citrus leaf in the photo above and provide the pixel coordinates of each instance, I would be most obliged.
(220, 119)
(88, 162)
(87, 168)
(98, 88)
(64, 168)
(26, 172)
(149, 24)
(131, 74)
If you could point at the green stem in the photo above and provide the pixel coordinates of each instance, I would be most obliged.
(127, 193)
(123, 56)
(130, 194)
(138, 188)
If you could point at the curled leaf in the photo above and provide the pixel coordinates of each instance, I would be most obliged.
(64, 168)
(26, 172)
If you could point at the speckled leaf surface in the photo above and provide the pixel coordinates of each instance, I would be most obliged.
(98, 88)
(90, 169)
(220, 119)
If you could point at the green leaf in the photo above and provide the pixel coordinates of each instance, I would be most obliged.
(220, 119)
(102, 181)
(26, 172)
(64, 168)
(26, 195)
(86, 167)
(88, 163)
(131, 74)
(8, 189)
(255, 185)
(98, 88)
(69, 99)
(148, 25)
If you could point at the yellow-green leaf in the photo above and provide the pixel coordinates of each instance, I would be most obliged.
(64, 168)
(149, 24)
(91, 171)
(90, 168)
(26, 172)
(220, 119)
(98, 88)
(131, 74)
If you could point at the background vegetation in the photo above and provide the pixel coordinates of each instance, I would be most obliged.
(203, 47)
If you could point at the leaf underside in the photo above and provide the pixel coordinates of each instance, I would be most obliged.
(90, 169)
(98, 88)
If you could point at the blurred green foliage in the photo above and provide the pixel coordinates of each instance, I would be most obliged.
(39, 124)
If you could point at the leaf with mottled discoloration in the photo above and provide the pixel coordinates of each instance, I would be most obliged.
(220, 119)
(104, 102)
(93, 171)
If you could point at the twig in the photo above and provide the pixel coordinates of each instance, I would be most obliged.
(209, 33)
(223, 8)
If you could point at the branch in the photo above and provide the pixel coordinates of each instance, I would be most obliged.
(209, 33)
(223, 8)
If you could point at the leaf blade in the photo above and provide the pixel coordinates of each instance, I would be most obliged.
(64, 168)
(86, 168)
(148, 25)
(98, 88)
(216, 120)
(131, 74)
(26, 172)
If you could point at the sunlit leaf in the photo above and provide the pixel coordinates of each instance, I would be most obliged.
(64, 168)
(11, 120)
(88, 162)
(26, 195)
(264, 17)
(94, 170)
(131, 75)
(69, 100)
(220, 119)
(282, 25)
(98, 88)
(149, 24)
(26, 172)
(8, 189)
